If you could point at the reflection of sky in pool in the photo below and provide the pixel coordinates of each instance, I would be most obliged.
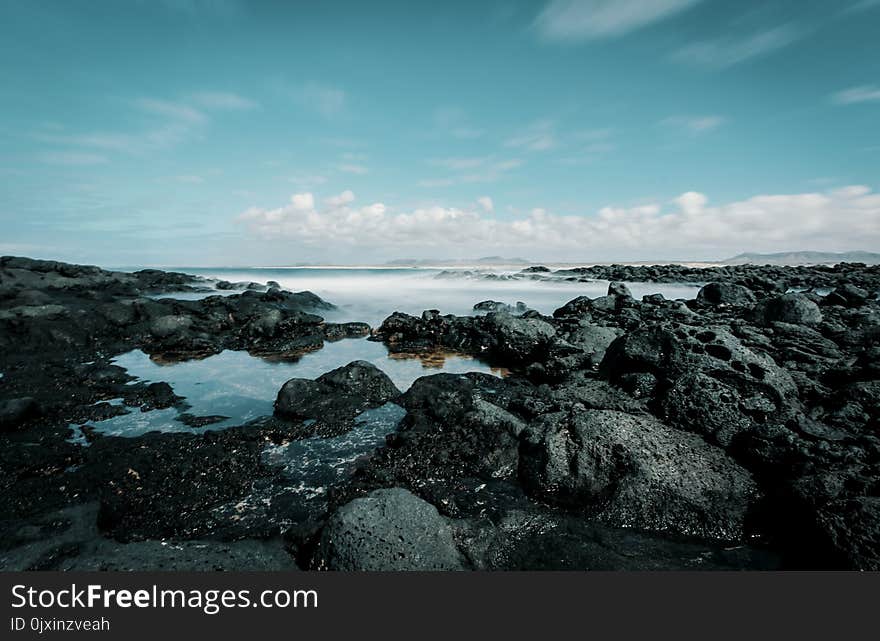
(242, 387)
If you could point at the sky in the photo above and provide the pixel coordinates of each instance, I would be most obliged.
(227, 132)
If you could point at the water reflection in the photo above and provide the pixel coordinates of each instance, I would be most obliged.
(440, 359)
(243, 387)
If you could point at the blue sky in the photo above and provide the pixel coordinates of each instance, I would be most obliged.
(197, 132)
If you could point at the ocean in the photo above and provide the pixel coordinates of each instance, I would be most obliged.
(371, 294)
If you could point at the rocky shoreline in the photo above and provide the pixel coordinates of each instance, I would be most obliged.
(738, 430)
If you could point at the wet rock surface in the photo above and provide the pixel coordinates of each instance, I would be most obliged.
(332, 401)
(738, 430)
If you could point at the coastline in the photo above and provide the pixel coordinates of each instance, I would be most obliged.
(737, 427)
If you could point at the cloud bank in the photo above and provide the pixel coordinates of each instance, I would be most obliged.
(688, 227)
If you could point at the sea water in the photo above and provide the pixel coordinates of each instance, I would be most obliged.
(371, 294)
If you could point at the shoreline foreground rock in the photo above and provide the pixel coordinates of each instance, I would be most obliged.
(737, 430)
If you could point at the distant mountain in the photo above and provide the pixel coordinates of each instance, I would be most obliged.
(804, 258)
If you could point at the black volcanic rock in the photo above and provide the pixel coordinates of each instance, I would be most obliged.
(619, 289)
(15, 411)
(389, 529)
(496, 306)
(796, 309)
(847, 295)
(746, 419)
(726, 294)
(334, 399)
(635, 471)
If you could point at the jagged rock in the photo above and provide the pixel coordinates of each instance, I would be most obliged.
(593, 340)
(388, 530)
(702, 404)
(619, 289)
(497, 306)
(847, 295)
(170, 325)
(334, 399)
(669, 353)
(729, 294)
(796, 309)
(579, 307)
(634, 471)
(519, 339)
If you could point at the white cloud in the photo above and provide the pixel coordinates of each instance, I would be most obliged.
(486, 203)
(687, 227)
(223, 101)
(339, 200)
(695, 124)
(573, 20)
(729, 51)
(302, 202)
(863, 93)
(692, 202)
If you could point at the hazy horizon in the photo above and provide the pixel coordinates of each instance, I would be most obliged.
(229, 132)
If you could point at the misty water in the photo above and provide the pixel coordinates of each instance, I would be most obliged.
(371, 294)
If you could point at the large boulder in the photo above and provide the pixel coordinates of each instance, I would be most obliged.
(619, 289)
(726, 294)
(388, 530)
(334, 399)
(669, 352)
(170, 325)
(847, 295)
(634, 471)
(363, 379)
(463, 421)
(580, 307)
(593, 340)
(519, 339)
(792, 308)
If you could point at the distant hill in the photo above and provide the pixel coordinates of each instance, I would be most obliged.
(804, 258)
